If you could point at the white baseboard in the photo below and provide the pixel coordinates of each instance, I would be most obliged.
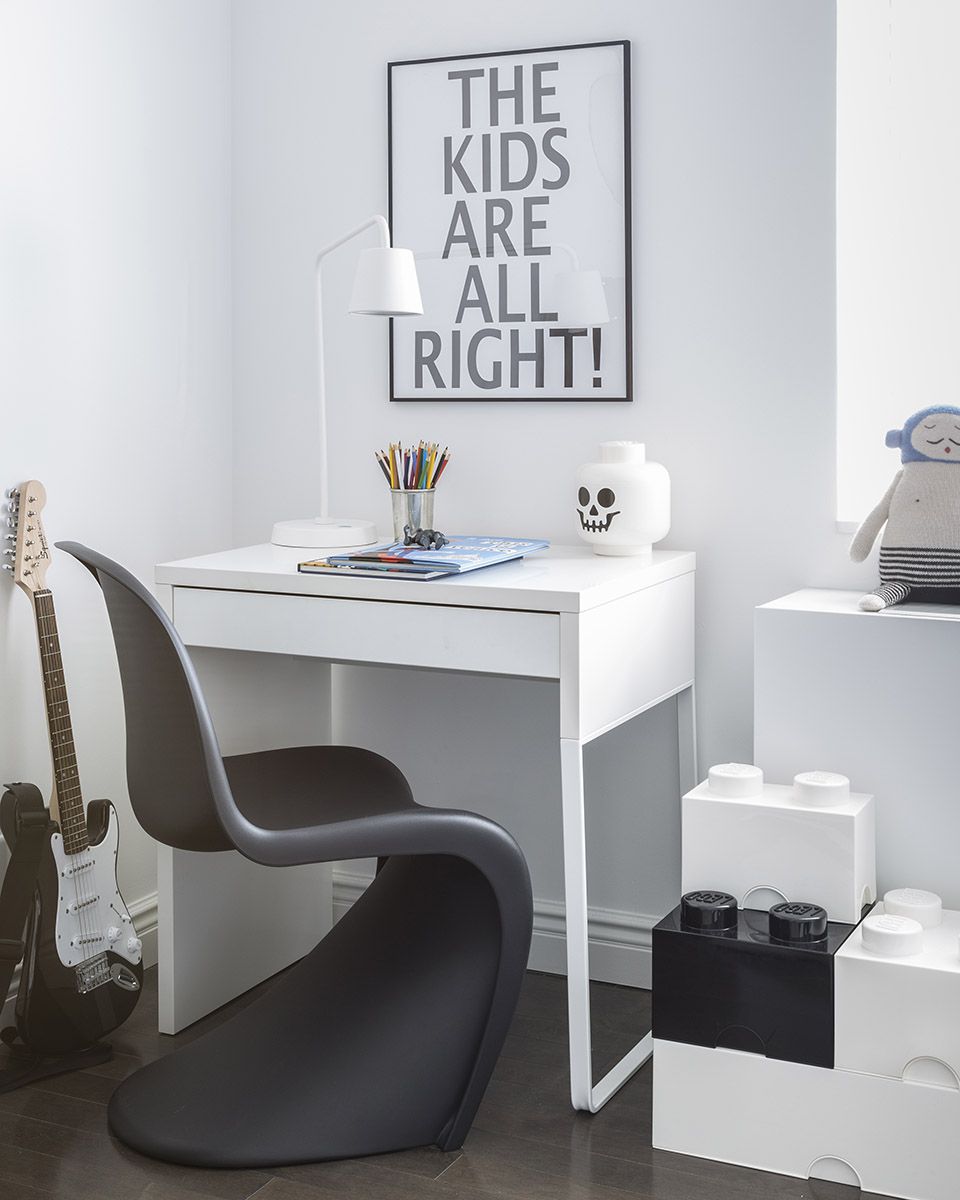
(620, 942)
(144, 913)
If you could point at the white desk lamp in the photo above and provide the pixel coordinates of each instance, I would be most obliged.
(385, 285)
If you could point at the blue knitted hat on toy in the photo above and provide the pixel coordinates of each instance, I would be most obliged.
(900, 438)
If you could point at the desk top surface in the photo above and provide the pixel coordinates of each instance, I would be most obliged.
(561, 579)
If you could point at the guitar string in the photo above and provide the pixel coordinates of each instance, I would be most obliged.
(72, 823)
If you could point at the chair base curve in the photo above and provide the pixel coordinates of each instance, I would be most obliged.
(381, 1039)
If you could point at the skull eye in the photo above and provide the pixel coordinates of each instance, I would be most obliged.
(584, 497)
(605, 498)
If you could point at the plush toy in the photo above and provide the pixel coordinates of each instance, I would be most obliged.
(920, 550)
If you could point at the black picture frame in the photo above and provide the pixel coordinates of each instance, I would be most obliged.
(624, 46)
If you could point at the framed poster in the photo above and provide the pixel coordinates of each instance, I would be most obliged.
(510, 181)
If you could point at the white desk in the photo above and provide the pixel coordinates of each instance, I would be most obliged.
(616, 636)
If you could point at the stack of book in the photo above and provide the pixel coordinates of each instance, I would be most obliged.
(459, 555)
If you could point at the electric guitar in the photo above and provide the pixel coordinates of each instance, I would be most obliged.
(82, 968)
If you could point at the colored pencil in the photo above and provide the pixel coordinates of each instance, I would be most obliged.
(440, 470)
(412, 468)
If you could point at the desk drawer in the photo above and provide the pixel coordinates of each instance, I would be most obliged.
(491, 641)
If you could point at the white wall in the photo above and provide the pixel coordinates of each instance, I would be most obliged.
(898, 240)
(114, 334)
(116, 120)
(734, 122)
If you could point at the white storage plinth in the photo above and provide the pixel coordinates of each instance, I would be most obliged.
(873, 695)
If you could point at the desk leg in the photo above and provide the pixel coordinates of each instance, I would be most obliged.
(585, 1096)
(578, 944)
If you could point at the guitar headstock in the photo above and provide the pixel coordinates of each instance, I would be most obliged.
(28, 549)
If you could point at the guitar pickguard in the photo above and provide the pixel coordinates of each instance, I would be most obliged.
(91, 915)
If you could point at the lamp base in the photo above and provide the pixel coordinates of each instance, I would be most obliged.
(324, 533)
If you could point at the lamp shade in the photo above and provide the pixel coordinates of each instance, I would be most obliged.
(386, 284)
(580, 299)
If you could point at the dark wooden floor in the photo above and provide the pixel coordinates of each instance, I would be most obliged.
(526, 1143)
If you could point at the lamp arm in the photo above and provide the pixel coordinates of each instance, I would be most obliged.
(379, 223)
(574, 258)
(376, 221)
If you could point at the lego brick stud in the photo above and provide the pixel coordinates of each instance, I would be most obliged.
(708, 912)
(798, 922)
(735, 780)
(925, 907)
(890, 936)
(821, 789)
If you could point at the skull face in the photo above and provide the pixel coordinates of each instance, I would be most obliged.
(597, 513)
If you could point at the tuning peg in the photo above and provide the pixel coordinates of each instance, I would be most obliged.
(11, 522)
(7, 567)
(9, 554)
(9, 537)
(11, 492)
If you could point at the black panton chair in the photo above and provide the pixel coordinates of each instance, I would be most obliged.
(385, 1035)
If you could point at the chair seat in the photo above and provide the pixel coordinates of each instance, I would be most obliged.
(305, 786)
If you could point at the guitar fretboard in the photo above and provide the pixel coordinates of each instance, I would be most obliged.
(73, 821)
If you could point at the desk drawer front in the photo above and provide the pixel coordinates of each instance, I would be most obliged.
(491, 641)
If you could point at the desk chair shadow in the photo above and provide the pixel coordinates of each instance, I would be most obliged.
(385, 1035)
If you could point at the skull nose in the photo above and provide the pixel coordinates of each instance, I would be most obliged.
(593, 510)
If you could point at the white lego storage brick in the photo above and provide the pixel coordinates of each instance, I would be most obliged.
(900, 1139)
(811, 841)
(898, 1005)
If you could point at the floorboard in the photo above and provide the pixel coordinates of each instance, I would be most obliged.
(526, 1144)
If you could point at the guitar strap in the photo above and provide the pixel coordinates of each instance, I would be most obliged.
(25, 825)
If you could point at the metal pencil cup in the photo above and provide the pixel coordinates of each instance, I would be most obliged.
(413, 507)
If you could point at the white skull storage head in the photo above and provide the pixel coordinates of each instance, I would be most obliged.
(623, 502)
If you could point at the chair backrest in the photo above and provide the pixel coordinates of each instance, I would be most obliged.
(175, 773)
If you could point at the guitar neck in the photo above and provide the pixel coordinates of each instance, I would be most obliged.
(68, 800)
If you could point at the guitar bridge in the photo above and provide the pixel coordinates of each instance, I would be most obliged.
(93, 973)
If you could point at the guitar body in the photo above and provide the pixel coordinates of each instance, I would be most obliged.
(53, 1016)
